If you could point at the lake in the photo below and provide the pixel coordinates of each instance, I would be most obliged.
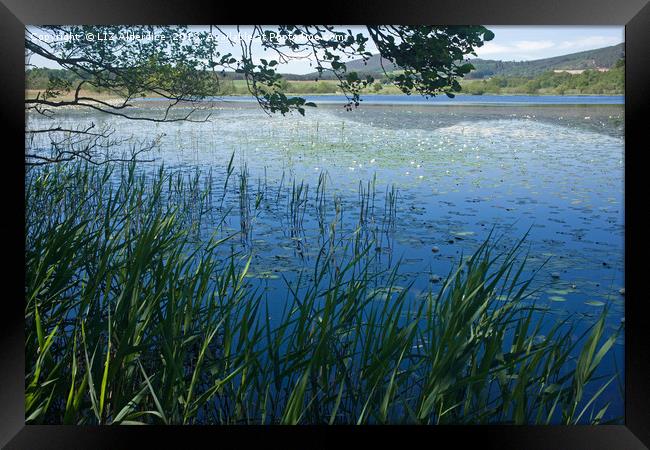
(451, 172)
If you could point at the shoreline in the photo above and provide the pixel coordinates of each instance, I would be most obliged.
(31, 94)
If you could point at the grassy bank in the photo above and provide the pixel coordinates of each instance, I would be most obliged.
(589, 82)
(133, 316)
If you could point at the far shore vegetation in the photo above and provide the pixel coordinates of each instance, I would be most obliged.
(589, 82)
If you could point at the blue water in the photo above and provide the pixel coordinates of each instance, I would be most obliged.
(460, 170)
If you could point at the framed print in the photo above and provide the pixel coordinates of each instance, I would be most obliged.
(421, 223)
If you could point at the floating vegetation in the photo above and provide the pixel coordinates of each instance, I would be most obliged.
(595, 303)
(558, 291)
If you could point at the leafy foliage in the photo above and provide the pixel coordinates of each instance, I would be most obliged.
(587, 82)
(431, 58)
(170, 65)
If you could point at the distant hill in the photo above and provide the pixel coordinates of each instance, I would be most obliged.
(605, 57)
(372, 65)
(484, 68)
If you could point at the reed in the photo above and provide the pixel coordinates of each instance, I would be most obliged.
(130, 319)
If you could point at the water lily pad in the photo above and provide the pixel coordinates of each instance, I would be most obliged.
(558, 291)
(595, 303)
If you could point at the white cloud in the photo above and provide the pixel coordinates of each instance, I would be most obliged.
(517, 50)
(543, 48)
(491, 48)
(589, 42)
(533, 45)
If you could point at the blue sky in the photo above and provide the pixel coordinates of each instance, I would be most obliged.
(522, 43)
(510, 43)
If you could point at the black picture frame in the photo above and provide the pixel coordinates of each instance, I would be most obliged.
(633, 14)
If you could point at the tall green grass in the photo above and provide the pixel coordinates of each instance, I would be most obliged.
(131, 319)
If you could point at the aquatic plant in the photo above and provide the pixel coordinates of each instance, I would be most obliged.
(130, 319)
(297, 207)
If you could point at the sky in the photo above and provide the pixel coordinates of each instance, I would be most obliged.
(524, 43)
(511, 43)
